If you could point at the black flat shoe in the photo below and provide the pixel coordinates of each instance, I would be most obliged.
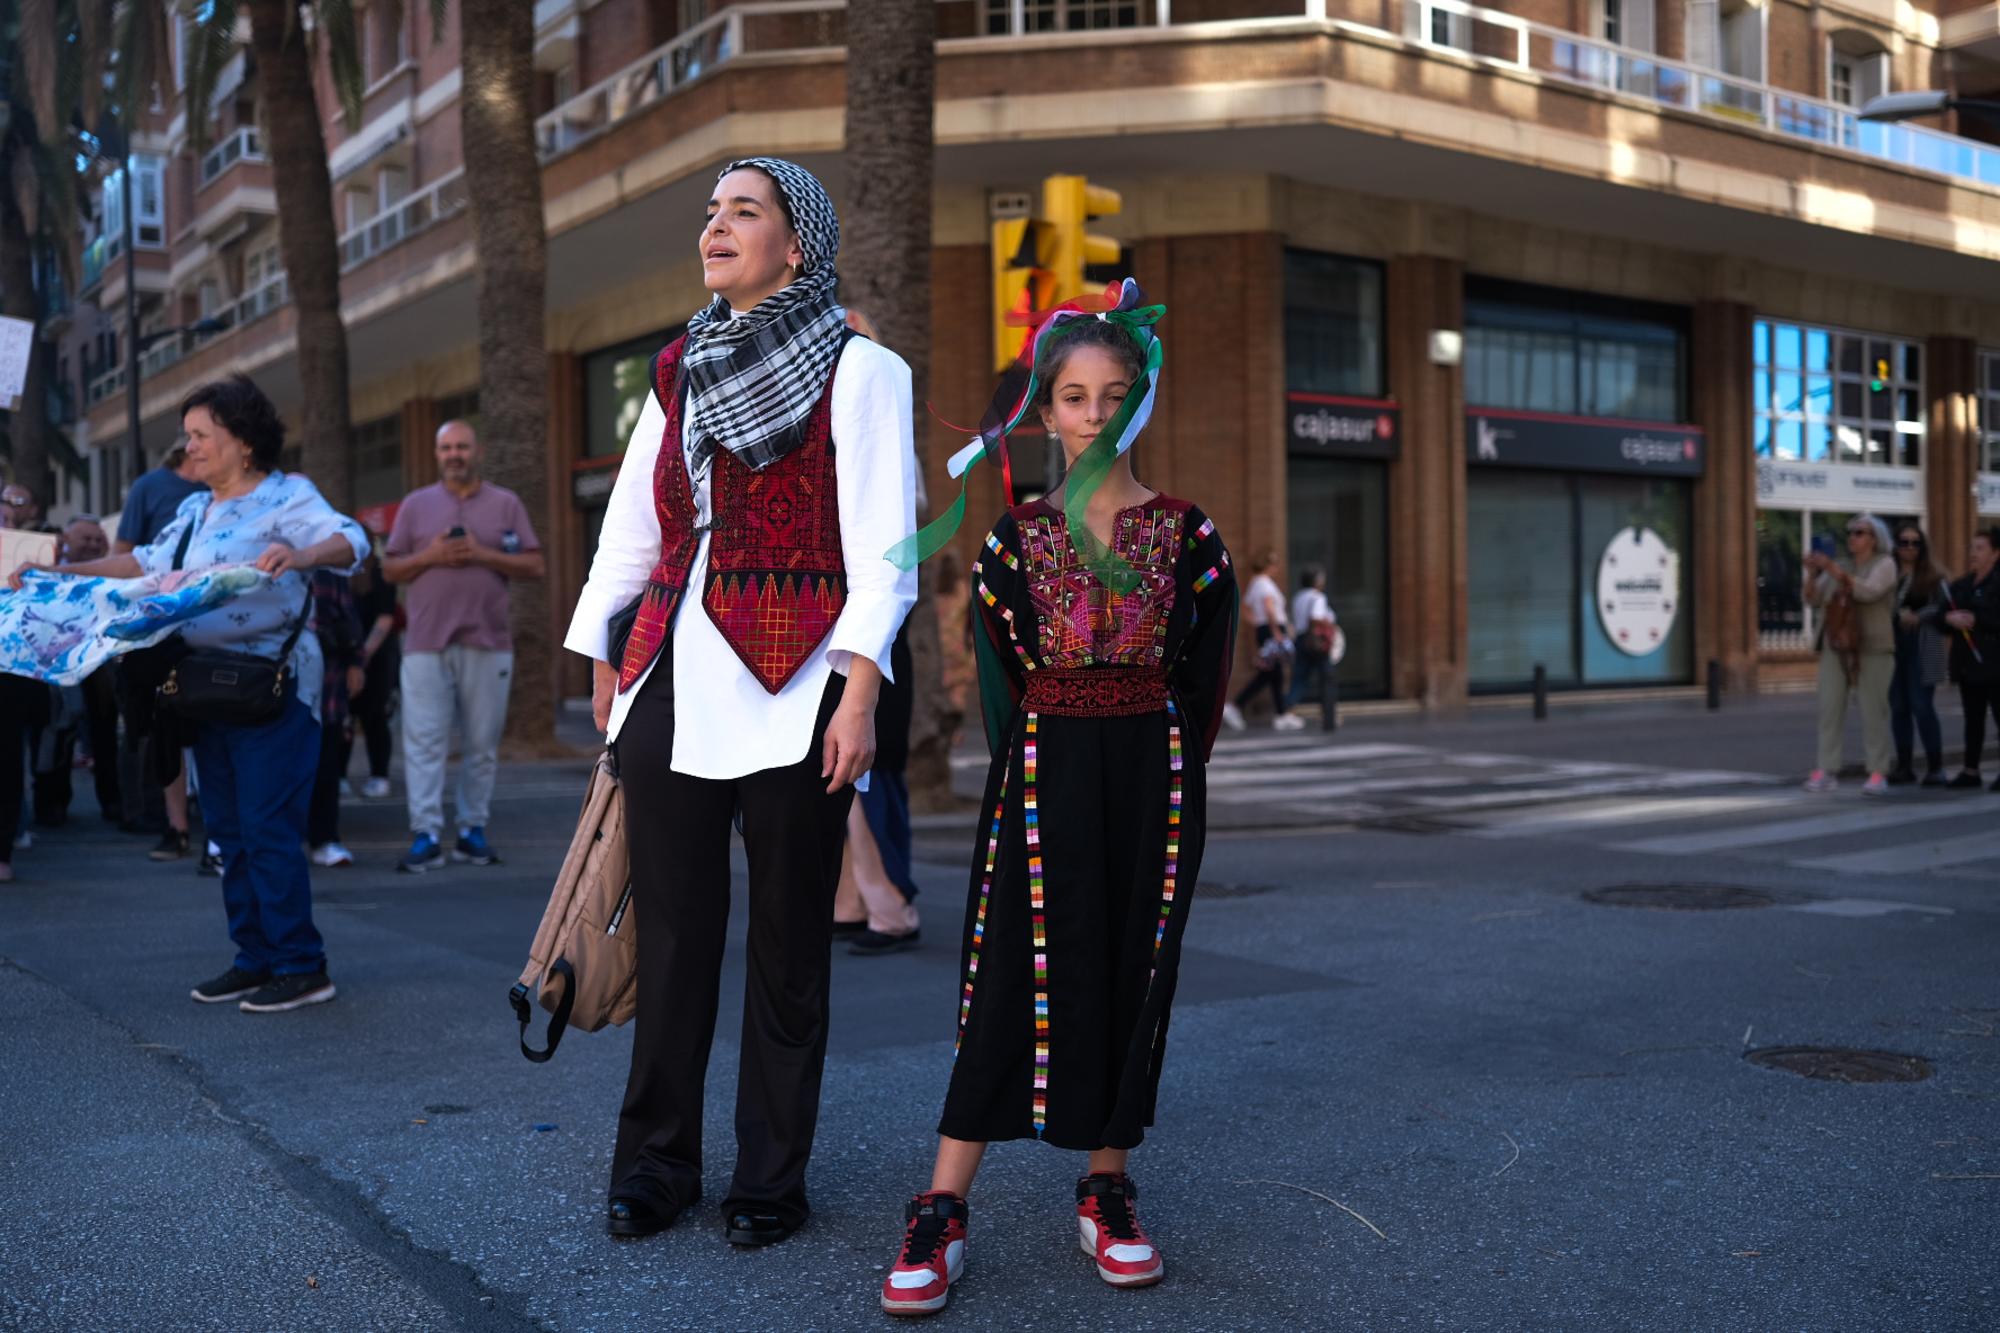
(850, 927)
(874, 941)
(1966, 782)
(1935, 778)
(631, 1219)
(755, 1229)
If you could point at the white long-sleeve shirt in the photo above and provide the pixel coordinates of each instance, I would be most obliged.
(726, 724)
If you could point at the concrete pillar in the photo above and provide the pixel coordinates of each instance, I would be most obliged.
(1427, 581)
(1951, 446)
(1725, 498)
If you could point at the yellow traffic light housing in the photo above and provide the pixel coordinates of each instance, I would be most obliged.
(1022, 285)
(1068, 205)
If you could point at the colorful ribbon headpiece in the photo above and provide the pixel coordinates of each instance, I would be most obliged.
(1124, 304)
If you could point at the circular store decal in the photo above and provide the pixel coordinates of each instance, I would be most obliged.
(1638, 591)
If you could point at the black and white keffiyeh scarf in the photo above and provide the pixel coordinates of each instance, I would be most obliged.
(753, 381)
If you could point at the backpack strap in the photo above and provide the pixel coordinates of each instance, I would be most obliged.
(558, 1021)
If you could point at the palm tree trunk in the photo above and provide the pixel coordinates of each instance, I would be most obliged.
(886, 268)
(503, 178)
(307, 240)
(27, 428)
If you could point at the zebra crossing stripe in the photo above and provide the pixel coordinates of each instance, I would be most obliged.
(1913, 855)
(1850, 820)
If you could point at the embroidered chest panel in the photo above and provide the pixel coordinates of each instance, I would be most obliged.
(1080, 622)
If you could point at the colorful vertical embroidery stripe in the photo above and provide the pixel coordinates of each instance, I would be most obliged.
(1037, 908)
(993, 544)
(1173, 858)
(979, 917)
(1202, 581)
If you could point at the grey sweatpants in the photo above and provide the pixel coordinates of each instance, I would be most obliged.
(464, 685)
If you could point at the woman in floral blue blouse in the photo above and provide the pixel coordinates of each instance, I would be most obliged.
(256, 781)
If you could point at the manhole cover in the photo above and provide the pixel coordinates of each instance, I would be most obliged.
(1842, 1065)
(1231, 890)
(1679, 897)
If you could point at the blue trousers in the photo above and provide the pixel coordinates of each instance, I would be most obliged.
(256, 785)
(1913, 708)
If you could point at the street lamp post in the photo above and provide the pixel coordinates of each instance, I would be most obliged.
(1892, 107)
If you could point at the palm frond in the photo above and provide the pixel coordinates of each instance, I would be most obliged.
(211, 45)
(139, 48)
(440, 11)
(93, 31)
(27, 187)
(335, 22)
(59, 185)
(37, 50)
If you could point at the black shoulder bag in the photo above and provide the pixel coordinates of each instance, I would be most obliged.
(234, 689)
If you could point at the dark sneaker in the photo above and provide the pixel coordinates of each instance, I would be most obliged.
(875, 941)
(231, 985)
(1108, 1231)
(173, 846)
(473, 849)
(210, 864)
(1902, 775)
(1934, 778)
(424, 854)
(1967, 780)
(293, 992)
(932, 1258)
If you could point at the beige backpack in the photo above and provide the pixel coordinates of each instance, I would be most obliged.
(584, 962)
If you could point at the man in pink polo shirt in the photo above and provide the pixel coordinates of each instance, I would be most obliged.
(456, 545)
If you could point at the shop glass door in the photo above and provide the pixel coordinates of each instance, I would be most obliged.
(1336, 512)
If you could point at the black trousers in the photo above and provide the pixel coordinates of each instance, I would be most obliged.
(53, 786)
(375, 708)
(24, 705)
(323, 814)
(1270, 678)
(679, 831)
(1977, 698)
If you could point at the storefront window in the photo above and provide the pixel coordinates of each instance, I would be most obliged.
(1582, 574)
(1337, 520)
(1784, 622)
(1333, 325)
(616, 383)
(1832, 396)
(378, 461)
(1538, 350)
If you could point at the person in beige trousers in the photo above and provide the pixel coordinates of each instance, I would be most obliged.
(1868, 574)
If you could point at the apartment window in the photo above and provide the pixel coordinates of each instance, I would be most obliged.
(1538, 350)
(210, 297)
(1061, 15)
(1333, 325)
(565, 84)
(1627, 23)
(149, 212)
(1829, 395)
(1857, 69)
(385, 18)
(1453, 30)
(260, 266)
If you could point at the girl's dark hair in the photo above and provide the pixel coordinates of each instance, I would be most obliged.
(1926, 574)
(1311, 577)
(1072, 334)
(241, 408)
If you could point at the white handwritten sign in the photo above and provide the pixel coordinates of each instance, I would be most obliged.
(17, 340)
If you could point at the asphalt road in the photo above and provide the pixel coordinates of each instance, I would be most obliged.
(1475, 1099)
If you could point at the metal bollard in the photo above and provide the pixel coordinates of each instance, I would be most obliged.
(1541, 693)
(1714, 685)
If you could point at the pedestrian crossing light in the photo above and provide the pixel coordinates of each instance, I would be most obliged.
(1881, 374)
(1068, 205)
(1022, 285)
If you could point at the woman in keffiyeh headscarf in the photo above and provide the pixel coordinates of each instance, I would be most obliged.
(740, 616)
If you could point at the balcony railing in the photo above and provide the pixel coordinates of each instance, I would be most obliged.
(1484, 35)
(400, 221)
(243, 146)
(1494, 38)
(104, 386)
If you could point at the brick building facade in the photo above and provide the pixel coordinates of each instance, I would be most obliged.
(1460, 298)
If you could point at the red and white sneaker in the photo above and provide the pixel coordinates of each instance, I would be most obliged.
(1109, 1231)
(933, 1255)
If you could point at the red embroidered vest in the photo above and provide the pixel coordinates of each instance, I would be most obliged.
(777, 579)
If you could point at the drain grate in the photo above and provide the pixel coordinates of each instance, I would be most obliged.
(1209, 889)
(1841, 1064)
(1679, 897)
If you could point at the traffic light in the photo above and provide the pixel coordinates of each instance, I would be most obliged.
(1068, 205)
(1022, 286)
(1881, 374)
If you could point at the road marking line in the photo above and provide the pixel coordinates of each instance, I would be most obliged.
(1624, 812)
(1912, 855)
(1789, 830)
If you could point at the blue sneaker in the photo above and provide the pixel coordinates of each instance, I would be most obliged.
(424, 854)
(473, 849)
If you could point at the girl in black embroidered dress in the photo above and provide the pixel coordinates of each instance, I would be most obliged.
(1100, 708)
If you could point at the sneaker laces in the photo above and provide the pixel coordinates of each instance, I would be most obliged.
(921, 1242)
(1114, 1214)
